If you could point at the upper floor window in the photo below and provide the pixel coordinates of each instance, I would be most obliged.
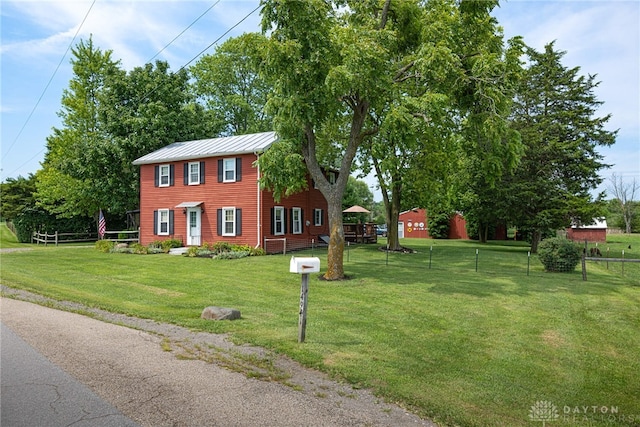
(230, 170)
(194, 173)
(164, 176)
(317, 217)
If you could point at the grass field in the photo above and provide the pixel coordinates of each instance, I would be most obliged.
(426, 330)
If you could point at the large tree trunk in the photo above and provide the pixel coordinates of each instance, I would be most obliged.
(394, 215)
(535, 241)
(335, 254)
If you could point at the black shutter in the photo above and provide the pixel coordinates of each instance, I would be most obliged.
(201, 172)
(302, 220)
(155, 221)
(186, 174)
(172, 174)
(220, 171)
(171, 223)
(156, 176)
(219, 225)
(291, 219)
(273, 221)
(284, 223)
(238, 169)
(238, 222)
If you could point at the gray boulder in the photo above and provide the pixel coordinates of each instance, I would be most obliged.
(220, 313)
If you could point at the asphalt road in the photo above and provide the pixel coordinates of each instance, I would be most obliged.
(35, 392)
(61, 369)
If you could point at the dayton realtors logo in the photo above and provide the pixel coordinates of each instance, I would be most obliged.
(543, 411)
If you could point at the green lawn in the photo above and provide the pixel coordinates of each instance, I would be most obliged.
(461, 347)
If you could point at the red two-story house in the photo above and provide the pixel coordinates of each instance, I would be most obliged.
(208, 191)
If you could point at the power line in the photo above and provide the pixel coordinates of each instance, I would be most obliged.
(157, 87)
(204, 50)
(50, 80)
(183, 31)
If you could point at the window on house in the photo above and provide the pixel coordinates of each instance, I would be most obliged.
(229, 170)
(194, 173)
(165, 176)
(296, 220)
(278, 221)
(163, 222)
(317, 217)
(228, 221)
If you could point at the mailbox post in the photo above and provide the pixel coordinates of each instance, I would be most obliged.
(303, 266)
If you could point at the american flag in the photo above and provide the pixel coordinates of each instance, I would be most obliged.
(102, 225)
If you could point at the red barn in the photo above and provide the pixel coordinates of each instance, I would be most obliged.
(596, 232)
(413, 223)
(208, 191)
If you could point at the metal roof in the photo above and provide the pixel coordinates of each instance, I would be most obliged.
(224, 146)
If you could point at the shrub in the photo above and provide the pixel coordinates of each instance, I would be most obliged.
(105, 246)
(231, 255)
(219, 247)
(558, 254)
(169, 244)
(139, 249)
(439, 225)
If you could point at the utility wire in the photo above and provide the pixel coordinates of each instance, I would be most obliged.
(49, 82)
(157, 87)
(146, 96)
(183, 31)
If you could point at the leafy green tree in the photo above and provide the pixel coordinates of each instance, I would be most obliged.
(229, 84)
(17, 194)
(331, 65)
(141, 111)
(460, 83)
(64, 185)
(555, 112)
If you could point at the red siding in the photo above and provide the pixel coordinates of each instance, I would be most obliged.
(588, 234)
(458, 227)
(415, 223)
(216, 195)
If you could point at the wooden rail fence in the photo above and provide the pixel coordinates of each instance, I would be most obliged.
(59, 238)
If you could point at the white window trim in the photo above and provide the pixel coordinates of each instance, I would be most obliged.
(160, 222)
(225, 222)
(168, 175)
(317, 217)
(197, 181)
(277, 209)
(225, 170)
(296, 222)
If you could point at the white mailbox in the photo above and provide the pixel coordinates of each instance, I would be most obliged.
(304, 265)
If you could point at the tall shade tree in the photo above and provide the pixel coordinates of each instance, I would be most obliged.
(331, 65)
(229, 85)
(142, 110)
(65, 185)
(483, 81)
(555, 112)
(17, 194)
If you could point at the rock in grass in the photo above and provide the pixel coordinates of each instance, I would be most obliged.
(220, 313)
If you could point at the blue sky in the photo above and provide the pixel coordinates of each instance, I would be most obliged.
(602, 37)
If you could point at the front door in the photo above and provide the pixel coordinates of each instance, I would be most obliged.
(193, 226)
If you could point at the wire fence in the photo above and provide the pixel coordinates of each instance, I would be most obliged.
(491, 260)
